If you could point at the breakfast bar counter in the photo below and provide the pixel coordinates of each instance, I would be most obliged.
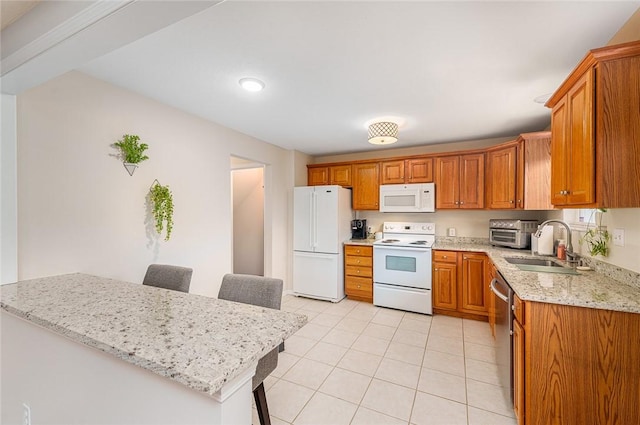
(206, 346)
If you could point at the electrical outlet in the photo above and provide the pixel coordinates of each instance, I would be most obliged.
(26, 414)
(452, 231)
(618, 237)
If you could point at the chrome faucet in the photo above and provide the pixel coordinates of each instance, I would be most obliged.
(570, 255)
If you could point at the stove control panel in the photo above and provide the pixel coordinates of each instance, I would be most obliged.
(410, 228)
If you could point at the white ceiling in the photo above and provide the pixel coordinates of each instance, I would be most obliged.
(453, 70)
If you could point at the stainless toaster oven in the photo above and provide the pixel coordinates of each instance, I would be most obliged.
(511, 233)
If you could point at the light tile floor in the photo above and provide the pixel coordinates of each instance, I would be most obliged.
(355, 363)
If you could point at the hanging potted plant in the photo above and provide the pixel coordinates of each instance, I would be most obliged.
(131, 152)
(597, 238)
(162, 202)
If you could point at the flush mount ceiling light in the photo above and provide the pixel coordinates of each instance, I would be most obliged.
(383, 133)
(251, 84)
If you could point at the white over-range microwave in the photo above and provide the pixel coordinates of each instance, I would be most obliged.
(407, 198)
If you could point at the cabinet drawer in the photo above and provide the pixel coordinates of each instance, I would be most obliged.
(353, 260)
(358, 250)
(358, 286)
(518, 309)
(445, 256)
(359, 271)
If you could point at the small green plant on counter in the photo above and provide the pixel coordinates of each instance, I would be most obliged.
(131, 151)
(162, 200)
(596, 238)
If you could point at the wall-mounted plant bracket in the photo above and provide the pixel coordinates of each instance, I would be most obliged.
(131, 168)
(131, 152)
(162, 203)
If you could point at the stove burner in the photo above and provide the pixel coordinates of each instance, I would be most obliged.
(391, 240)
(418, 243)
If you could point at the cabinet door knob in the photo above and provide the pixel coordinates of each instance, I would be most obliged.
(358, 261)
(461, 202)
(358, 271)
(435, 269)
(511, 201)
(444, 256)
(358, 286)
(519, 201)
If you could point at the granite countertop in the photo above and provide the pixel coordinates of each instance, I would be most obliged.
(199, 341)
(366, 242)
(586, 289)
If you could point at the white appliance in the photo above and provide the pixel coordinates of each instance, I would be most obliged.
(321, 223)
(402, 267)
(408, 197)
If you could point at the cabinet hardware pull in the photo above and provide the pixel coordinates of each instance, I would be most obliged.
(461, 202)
(519, 200)
(511, 201)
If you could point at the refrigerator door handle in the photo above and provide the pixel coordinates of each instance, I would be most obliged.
(311, 224)
(314, 220)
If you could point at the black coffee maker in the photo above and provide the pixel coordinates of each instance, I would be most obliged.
(358, 229)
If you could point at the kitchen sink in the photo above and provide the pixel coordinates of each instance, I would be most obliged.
(532, 261)
(539, 265)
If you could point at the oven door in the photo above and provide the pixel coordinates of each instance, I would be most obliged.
(402, 266)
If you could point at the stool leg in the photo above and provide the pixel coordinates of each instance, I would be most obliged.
(261, 404)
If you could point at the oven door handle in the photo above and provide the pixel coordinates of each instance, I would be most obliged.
(402, 248)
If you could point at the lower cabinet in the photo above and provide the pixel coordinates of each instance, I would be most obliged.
(459, 286)
(576, 365)
(358, 272)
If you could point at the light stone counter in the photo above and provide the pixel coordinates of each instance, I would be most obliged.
(365, 242)
(587, 289)
(198, 341)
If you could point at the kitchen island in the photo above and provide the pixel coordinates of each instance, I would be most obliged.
(84, 349)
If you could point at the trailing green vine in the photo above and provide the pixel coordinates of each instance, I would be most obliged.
(596, 238)
(162, 200)
(131, 151)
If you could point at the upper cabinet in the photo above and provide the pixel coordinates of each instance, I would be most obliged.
(460, 181)
(414, 170)
(595, 125)
(366, 189)
(502, 183)
(518, 173)
(334, 174)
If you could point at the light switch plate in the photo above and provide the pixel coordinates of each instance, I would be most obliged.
(452, 231)
(618, 237)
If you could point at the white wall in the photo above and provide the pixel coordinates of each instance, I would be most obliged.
(248, 223)
(79, 210)
(470, 224)
(8, 196)
(627, 256)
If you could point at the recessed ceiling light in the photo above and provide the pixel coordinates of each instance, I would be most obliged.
(251, 84)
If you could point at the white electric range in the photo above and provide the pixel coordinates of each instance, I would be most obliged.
(402, 266)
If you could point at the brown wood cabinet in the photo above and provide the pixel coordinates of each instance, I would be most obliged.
(445, 280)
(460, 181)
(366, 186)
(474, 292)
(595, 127)
(392, 172)
(415, 170)
(340, 174)
(576, 365)
(334, 174)
(458, 284)
(358, 272)
(518, 370)
(317, 176)
(518, 174)
(502, 179)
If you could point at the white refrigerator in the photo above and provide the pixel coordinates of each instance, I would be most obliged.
(321, 223)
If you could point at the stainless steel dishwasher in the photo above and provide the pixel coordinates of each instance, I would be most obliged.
(503, 300)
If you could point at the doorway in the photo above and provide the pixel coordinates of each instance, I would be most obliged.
(247, 192)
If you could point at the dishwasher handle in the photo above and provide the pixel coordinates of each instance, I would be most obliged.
(499, 294)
